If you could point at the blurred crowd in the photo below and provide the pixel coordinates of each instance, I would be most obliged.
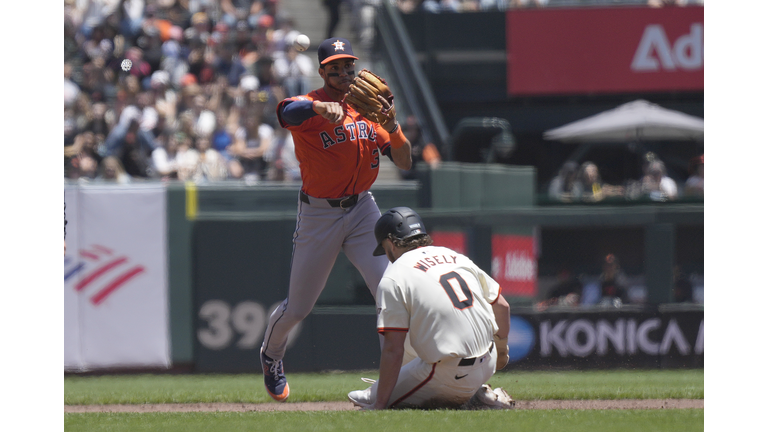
(582, 183)
(198, 102)
(441, 6)
(613, 288)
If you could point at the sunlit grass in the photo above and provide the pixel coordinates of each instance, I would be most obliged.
(305, 387)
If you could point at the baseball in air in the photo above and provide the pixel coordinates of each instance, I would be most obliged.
(126, 65)
(301, 43)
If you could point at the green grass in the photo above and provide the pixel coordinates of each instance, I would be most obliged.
(137, 389)
(640, 384)
(397, 421)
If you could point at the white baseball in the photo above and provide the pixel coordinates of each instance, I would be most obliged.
(126, 65)
(301, 43)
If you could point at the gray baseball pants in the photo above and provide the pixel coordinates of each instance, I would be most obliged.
(321, 232)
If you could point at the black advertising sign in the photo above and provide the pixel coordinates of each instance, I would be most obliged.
(606, 339)
(237, 286)
(238, 282)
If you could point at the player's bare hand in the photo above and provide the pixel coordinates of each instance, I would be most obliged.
(385, 105)
(331, 111)
(388, 109)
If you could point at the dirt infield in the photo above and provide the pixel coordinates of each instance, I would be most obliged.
(347, 406)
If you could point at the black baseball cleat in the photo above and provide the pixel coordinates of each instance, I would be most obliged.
(274, 378)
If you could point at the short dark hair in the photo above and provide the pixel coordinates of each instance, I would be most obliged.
(411, 242)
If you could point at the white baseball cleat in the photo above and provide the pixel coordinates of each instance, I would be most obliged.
(362, 398)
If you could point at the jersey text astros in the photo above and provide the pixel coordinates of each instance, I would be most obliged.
(328, 168)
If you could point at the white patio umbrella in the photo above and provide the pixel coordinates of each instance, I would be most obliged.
(639, 120)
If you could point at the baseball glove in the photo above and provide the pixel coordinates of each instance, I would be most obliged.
(363, 96)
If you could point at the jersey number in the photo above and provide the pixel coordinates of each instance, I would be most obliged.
(456, 288)
(375, 163)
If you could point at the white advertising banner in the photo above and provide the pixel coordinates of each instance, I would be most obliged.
(115, 278)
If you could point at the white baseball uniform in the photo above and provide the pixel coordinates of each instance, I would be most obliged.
(444, 301)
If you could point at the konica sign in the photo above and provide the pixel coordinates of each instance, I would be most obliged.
(607, 339)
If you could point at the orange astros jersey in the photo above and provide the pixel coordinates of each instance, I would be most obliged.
(336, 160)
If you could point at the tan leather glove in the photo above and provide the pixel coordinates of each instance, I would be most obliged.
(363, 95)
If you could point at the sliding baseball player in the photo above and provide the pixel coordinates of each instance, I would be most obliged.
(453, 313)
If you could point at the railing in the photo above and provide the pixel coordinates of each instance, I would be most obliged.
(408, 76)
(543, 199)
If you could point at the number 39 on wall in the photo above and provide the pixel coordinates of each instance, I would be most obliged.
(249, 319)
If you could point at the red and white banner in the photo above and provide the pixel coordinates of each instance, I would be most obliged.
(514, 264)
(605, 50)
(452, 240)
(115, 278)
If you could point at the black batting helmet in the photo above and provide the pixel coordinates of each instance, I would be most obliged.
(402, 222)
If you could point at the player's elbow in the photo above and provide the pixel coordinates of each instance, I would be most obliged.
(403, 160)
(393, 353)
(394, 343)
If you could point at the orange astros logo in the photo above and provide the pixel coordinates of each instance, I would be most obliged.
(338, 45)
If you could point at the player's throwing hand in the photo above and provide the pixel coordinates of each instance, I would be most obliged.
(331, 111)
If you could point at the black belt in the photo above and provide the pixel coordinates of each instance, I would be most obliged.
(471, 360)
(340, 202)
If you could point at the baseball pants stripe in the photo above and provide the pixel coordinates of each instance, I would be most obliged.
(439, 385)
(415, 389)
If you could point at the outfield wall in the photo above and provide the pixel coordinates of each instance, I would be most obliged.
(344, 338)
(228, 256)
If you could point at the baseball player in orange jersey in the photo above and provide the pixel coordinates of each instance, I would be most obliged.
(339, 153)
(453, 313)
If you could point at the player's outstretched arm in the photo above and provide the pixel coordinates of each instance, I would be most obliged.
(389, 366)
